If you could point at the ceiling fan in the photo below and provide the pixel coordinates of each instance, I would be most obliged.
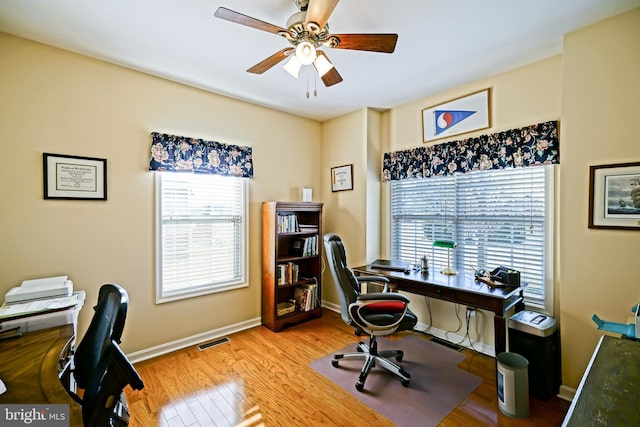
(307, 31)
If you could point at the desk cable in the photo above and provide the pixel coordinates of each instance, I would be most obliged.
(467, 336)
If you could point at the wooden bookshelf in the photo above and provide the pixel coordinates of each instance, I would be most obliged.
(291, 245)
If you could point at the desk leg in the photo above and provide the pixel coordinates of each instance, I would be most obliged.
(500, 327)
(500, 332)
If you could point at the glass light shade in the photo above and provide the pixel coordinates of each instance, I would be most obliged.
(293, 66)
(449, 244)
(322, 64)
(306, 53)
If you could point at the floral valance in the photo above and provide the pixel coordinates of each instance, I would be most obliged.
(182, 154)
(528, 146)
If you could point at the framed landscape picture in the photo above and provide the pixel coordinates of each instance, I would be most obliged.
(614, 196)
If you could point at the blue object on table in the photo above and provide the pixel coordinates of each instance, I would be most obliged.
(626, 330)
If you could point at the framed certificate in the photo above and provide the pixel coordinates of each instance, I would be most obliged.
(342, 178)
(73, 177)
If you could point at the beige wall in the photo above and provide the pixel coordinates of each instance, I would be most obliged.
(58, 102)
(600, 125)
(54, 101)
(344, 141)
(520, 97)
(354, 215)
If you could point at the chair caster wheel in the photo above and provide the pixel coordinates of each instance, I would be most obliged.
(359, 386)
(334, 363)
(405, 382)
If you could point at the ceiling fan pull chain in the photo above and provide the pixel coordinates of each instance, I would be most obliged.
(315, 85)
(307, 85)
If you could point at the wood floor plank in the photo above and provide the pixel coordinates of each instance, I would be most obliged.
(263, 378)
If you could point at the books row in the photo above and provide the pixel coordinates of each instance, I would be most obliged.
(306, 297)
(287, 273)
(305, 246)
(288, 224)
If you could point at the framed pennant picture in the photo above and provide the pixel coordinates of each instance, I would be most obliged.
(461, 115)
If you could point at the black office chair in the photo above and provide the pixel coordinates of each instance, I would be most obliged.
(106, 325)
(104, 403)
(376, 314)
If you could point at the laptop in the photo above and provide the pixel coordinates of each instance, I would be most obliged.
(388, 264)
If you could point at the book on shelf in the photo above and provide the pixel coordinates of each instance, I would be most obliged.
(304, 246)
(306, 297)
(287, 273)
(288, 223)
(308, 228)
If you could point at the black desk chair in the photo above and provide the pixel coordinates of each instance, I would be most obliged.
(375, 314)
(100, 367)
(104, 403)
(106, 325)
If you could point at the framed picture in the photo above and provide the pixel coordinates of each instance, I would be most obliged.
(73, 177)
(461, 115)
(342, 178)
(614, 196)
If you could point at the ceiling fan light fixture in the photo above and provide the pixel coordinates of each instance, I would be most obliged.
(293, 66)
(306, 53)
(322, 64)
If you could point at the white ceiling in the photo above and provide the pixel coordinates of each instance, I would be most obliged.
(441, 44)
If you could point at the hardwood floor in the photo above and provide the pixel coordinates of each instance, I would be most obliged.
(263, 378)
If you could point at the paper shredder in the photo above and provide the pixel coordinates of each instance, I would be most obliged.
(535, 336)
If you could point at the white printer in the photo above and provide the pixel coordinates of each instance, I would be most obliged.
(49, 287)
(39, 304)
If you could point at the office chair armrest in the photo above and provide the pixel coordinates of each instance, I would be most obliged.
(374, 279)
(384, 296)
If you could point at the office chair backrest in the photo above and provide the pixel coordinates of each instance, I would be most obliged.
(106, 325)
(105, 389)
(348, 287)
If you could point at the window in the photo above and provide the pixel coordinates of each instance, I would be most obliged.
(201, 234)
(497, 217)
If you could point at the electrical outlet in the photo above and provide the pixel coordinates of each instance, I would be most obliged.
(472, 311)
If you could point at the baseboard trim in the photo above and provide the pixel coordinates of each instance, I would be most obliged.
(478, 346)
(139, 356)
(567, 393)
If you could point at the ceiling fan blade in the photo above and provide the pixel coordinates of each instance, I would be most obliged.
(239, 18)
(263, 66)
(332, 76)
(385, 43)
(319, 11)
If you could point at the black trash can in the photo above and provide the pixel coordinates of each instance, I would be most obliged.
(513, 385)
(535, 336)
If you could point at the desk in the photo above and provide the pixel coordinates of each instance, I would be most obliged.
(609, 391)
(461, 289)
(31, 366)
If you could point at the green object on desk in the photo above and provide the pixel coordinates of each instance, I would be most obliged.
(448, 244)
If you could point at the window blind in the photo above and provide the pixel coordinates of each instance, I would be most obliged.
(496, 218)
(201, 234)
